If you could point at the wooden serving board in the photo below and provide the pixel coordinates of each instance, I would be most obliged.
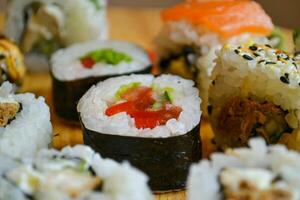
(137, 25)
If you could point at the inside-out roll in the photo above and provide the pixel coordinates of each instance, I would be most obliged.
(25, 125)
(74, 173)
(257, 172)
(40, 27)
(255, 92)
(75, 69)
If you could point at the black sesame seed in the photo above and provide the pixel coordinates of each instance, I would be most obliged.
(236, 51)
(256, 54)
(247, 57)
(209, 109)
(239, 47)
(299, 84)
(297, 53)
(284, 79)
(270, 63)
(214, 82)
(2, 56)
(267, 45)
(253, 48)
(261, 61)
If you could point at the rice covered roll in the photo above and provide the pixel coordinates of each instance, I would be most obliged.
(74, 173)
(194, 30)
(25, 125)
(153, 122)
(40, 27)
(257, 173)
(77, 68)
(255, 92)
(12, 66)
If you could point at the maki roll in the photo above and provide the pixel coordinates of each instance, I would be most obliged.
(80, 66)
(12, 66)
(40, 27)
(25, 125)
(74, 173)
(151, 122)
(255, 92)
(258, 172)
(194, 30)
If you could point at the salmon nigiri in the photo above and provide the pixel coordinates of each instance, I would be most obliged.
(224, 17)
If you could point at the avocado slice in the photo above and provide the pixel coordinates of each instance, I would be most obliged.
(277, 39)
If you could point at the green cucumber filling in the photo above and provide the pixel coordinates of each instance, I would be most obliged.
(109, 56)
(277, 39)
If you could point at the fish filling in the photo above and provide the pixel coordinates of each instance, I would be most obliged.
(8, 112)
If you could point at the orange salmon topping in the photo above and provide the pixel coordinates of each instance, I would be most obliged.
(224, 17)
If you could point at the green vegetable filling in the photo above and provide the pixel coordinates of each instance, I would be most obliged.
(109, 56)
(124, 88)
(278, 36)
(47, 47)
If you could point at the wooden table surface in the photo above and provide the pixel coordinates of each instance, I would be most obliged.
(136, 25)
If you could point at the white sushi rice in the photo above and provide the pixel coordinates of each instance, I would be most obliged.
(174, 35)
(93, 104)
(259, 78)
(258, 164)
(80, 21)
(66, 65)
(31, 129)
(120, 180)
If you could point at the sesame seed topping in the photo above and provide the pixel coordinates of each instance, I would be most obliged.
(270, 63)
(261, 61)
(286, 75)
(236, 51)
(2, 56)
(253, 48)
(267, 45)
(295, 65)
(247, 57)
(256, 54)
(284, 80)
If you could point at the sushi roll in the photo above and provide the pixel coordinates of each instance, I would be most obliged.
(258, 172)
(74, 173)
(25, 125)
(153, 122)
(40, 27)
(12, 66)
(255, 92)
(194, 30)
(75, 69)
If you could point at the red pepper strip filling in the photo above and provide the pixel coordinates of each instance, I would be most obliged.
(87, 62)
(138, 105)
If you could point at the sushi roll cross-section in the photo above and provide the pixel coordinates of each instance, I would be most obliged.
(77, 68)
(74, 173)
(194, 30)
(25, 125)
(255, 92)
(153, 122)
(259, 172)
(40, 27)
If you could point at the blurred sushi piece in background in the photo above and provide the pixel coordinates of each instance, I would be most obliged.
(194, 30)
(74, 173)
(255, 92)
(75, 69)
(40, 27)
(296, 37)
(257, 172)
(12, 66)
(25, 125)
(153, 122)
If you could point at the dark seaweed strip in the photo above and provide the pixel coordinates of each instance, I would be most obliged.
(154, 156)
(284, 79)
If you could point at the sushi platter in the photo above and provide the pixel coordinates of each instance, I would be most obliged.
(190, 102)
